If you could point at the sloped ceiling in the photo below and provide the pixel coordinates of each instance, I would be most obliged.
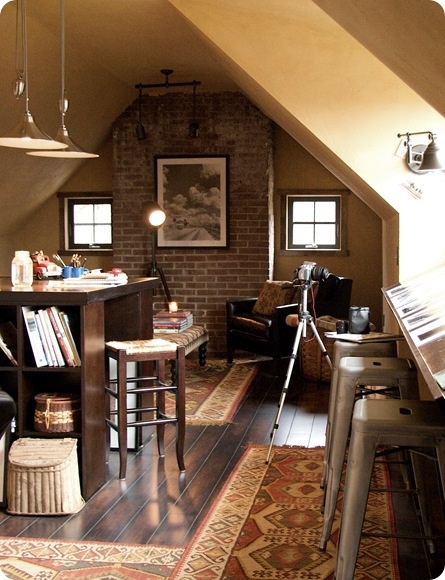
(338, 76)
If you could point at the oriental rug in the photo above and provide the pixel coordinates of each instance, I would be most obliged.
(213, 392)
(265, 524)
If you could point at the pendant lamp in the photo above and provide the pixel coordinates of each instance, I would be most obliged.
(72, 150)
(26, 135)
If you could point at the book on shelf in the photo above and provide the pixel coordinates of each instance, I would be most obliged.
(50, 336)
(47, 346)
(8, 341)
(59, 332)
(60, 361)
(64, 319)
(29, 317)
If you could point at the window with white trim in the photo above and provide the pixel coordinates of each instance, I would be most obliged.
(313, 221)
(87, 222)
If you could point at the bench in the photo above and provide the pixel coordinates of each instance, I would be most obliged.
(194, 337)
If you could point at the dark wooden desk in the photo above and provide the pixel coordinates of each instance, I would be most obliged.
(419, 307)
(122, 312)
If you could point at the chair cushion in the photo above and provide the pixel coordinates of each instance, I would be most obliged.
(251, 324)
(275, 294)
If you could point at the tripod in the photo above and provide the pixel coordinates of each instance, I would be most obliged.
(305, 318)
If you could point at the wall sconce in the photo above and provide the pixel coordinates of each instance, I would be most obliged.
(423, 158)
(154, 218)
(194, 125)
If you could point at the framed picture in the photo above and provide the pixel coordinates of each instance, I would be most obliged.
(193, 191)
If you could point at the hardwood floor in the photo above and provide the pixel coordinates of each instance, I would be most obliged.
(154, 505)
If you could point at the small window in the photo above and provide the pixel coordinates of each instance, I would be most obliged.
(87, 222)
(313, 222)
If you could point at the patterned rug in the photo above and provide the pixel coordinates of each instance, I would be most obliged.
(265, 524)
(215, 390)
(279, 537)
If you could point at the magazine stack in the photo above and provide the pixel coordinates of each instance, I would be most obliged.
(166, 321)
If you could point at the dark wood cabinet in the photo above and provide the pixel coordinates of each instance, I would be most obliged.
(97, 314)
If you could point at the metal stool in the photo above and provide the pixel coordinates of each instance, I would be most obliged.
(342, 349)
(416, 424)
(372, 375)
(149, 384)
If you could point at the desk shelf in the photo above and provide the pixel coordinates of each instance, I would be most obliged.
(99, 315)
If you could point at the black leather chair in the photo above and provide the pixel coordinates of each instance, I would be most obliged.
(269, 335)
(8, 411)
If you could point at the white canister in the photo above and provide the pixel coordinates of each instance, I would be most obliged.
(21, 269)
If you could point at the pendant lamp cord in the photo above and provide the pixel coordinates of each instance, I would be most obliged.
(63, 100)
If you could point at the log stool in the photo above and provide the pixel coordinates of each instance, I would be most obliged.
(152, 385)
(367, 376)
(415, 424)
(43, 477)
(343, 349)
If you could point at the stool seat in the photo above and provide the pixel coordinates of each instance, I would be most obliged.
(363, 376)
(342, 349)
(142, 346)
(408, 423)
(151, 387)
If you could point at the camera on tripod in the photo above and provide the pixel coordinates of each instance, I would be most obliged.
(309, 272)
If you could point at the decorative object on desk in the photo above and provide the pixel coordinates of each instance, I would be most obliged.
(193, 191)
(166, 321)
(57, 413)
(22, 269)
(213, 392)
(173, 307)
(43, 267)
(359, 319)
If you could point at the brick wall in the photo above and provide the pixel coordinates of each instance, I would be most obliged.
(199, 279)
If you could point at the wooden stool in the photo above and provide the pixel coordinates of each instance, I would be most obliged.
(413, 424)
(153, 385)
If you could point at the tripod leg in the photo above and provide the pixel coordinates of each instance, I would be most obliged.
(290, 368)
(324, 352)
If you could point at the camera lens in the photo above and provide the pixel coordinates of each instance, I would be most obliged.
(319, 273)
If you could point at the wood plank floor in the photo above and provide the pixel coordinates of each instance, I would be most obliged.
(154, 505)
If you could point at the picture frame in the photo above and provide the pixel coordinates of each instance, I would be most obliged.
(193, 191)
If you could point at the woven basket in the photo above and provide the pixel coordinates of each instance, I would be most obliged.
(57, 413)
(313, 365)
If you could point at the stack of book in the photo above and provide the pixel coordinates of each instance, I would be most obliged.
(51, 338)
(166, 321)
